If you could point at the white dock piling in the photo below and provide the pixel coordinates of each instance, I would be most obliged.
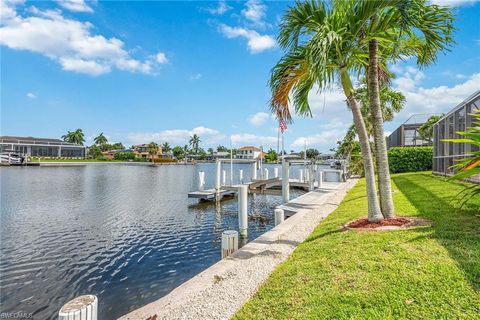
(81, 308)
(306, 175)
(224, 177)
(254, 171)
(243, 209)
(218, 172)
(201, 180)
(275, 172)
(320, 179)
(311, 178)
(240, 175)
(265, 174)
(279, 216)
(229, 242)
(301, 175)
(285, 181)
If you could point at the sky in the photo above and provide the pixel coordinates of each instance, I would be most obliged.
(162, 71)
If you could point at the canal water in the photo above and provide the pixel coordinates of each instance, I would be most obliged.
(125, 233)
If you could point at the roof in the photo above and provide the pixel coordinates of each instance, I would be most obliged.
(33, 140)
(248, 148)
(470, 98)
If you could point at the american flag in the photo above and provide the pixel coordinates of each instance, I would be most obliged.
(282, 125)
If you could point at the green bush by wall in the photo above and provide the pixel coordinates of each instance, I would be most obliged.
(410, 159)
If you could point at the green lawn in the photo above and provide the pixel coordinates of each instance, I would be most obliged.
(421, 273)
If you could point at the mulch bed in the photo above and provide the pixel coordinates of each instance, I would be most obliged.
(365, 224)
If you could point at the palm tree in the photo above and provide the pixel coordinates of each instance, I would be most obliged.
(321, 51)
(76, 137)
(391, 101)
(166, 147)
(153, 150)
(393, 29)
(100, 140)
(426, 130)
(195, 142)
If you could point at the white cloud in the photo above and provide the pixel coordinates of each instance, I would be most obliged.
(255, 11)
(221, 8)
(454, 3)
(330, 133)
(439, 99)
(242, 139)
(256, 42)
(69, 42)
(196, 76)
(75, 5)
(31, 95)
(208, 136)
(161, 58)
(258, 118)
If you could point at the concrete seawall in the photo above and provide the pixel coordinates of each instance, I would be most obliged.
(219, 291)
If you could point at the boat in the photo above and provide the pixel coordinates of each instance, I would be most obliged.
(12, 159)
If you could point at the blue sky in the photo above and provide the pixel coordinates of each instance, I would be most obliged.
(161, 71)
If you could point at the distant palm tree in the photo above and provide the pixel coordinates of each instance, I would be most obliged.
(76, 137)
(153, 150)
(210, 151)
(166, 147)
(100, 140)
(195, 143)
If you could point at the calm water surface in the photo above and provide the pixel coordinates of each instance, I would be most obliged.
(126, 233)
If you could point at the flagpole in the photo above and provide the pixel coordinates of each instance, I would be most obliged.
(278, 143)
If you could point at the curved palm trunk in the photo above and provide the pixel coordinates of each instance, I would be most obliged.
(383, 170)
(374, 212)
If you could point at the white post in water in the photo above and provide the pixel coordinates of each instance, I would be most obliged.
(229, 242)
(224, 177)
(275, 172)
(81, 308)
(201, 180)
(218, 172)
(254, 170)
(279, 216)
(301, 175)
(240, 174)
(242, 209)
(320, 179)
(311, 178)
(285, 182)
(265, 174)
(307, 175)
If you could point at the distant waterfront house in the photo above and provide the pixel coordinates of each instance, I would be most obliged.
(141, 150)
(445, 154)
(41, 147)
(407, 135)
(248, 152)
(217, 155)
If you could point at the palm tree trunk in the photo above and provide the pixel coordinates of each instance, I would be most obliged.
(374, 212)
(383, 170)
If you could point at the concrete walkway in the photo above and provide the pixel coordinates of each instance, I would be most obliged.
(219, 291)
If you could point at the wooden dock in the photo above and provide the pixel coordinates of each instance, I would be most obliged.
(211, 194)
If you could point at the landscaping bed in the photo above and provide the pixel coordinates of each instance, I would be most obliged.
(427, 272)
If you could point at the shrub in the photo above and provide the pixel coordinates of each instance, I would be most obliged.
(124, 156)
(410, 159)
(164, 160)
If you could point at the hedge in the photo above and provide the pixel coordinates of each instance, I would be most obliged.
(410, 159)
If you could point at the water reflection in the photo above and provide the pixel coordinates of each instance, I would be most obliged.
(128, 234)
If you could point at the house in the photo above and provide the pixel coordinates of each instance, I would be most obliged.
(142, 151)
(41, 147)
(249, 152)
(407, 135)
(445, 154)
(110, 154)
(217, 155)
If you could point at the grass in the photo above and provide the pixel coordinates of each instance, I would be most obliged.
(76, 160)
(430, 272)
